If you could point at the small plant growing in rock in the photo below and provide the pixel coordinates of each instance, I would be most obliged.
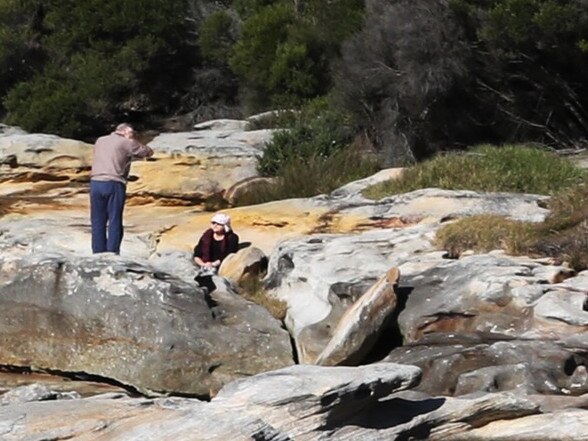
(252, 289)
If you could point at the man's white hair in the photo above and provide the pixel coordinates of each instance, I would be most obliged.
(123, 127)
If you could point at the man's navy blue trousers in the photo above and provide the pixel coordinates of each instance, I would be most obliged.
(107, 202)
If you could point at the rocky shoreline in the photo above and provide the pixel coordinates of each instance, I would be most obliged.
(385, 336)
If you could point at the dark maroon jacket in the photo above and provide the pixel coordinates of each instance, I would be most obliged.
(206, 247)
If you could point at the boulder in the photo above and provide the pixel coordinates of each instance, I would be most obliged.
(247, 262)
(235, 194)
(459, 366)
(302, 403)
(494, 295)
(123, 320)
(362, 323)
(40, 150)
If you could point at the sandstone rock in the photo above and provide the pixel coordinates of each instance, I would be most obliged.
(248, 262)
(362, 323)
(239, 190)
(223, 124)
(300, 402)
(356, 187)
(11, 130)
(557, 426)
(196, 166)
(123, 320)
(45, 150)
(322, 275)
(489, 294)
(303, 403)
(34, 392)
(461, 366)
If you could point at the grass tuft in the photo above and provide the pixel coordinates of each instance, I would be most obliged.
(252, 289)
(513, 168)
(563, 235)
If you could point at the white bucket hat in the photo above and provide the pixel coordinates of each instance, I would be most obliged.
(222, 219)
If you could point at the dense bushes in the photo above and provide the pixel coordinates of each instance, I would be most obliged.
(419, 76)
(283, 49)
(398, 73)
(317, 131)
(315, 153)
(427, 75)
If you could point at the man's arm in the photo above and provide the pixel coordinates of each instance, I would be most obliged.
(139, 150)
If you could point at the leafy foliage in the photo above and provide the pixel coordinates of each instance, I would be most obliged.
(398, 76)
(425, 76)
(20, 32)
(104, 60)
(316, 132)
(285, 48)
(528, 68)
(216, 38)
(315, 175)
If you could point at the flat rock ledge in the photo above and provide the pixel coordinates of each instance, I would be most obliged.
(302, 402)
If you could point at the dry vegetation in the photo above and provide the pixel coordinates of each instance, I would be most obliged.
(252, 289)
(563, 235)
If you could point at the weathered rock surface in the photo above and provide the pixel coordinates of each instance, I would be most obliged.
(477, 326)
(123, 320)
(319, 276)
(246, 263)
(195, 166)
(493, 294)
(49, 151)
(300, 402)
(458, 366)
(34, 392)
(362, 323)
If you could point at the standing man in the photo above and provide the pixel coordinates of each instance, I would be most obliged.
(108, 184)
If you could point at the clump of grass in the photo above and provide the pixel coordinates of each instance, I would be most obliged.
(315, 175)
(563, 235)
(252, 289)
(513, 168)
(485, 233)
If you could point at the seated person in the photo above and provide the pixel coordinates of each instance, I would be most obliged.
(215, 244)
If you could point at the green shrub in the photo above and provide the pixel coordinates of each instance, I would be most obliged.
(284, 52)
(316, 132)
(103, 61)
(487, 168)
(317, 175)
(255, 52)
(215, 39)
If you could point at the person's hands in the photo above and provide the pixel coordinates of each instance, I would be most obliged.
(129, 133)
